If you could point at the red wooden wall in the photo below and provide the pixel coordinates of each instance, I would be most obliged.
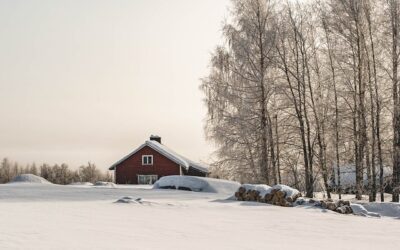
(126, 172)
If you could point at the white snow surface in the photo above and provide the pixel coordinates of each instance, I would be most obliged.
(73, 217)
(198, 184)
(29, 178)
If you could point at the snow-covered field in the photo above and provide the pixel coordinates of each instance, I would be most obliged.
(47, 216)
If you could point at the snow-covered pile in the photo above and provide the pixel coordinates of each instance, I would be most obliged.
(29, 178)
(104, 184)
(197, 184)
(281, 195)
(288, 190)
(261, 188)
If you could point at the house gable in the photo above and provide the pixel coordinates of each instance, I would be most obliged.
(170, 154)
(127, 170)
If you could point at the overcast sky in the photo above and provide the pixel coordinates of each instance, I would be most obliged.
(91, 80)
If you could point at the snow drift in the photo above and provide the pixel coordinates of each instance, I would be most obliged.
(104, 184)
(81, 184)
(377, 209)
(29, 178)
(197, 184)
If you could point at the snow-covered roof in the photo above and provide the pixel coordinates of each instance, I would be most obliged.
(169, 153)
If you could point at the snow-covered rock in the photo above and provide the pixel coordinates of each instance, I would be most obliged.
(29, 178)
(129, 199)
(197, 184)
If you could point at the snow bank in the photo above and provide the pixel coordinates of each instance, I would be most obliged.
(104, 184)
(359, 209)
(81, 184)
(29, 178)
(197, 184)
(377, 209)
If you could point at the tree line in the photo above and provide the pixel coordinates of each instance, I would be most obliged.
(298, 90)
(57, 174)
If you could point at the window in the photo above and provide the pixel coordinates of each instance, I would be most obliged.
(147, 160)
(147, 179)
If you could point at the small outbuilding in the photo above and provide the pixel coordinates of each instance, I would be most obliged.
(153, 160)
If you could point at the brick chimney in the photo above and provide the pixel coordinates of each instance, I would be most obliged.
(155, 138)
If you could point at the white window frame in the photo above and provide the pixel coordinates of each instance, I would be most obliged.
(147, 157)
(155, 178)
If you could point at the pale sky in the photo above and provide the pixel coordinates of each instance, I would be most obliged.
(91, 80)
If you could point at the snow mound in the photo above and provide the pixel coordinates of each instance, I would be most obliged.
(29, 178)
(377, 209)
(360, 210)
(197, 184)
(81, 184)
(105, 184)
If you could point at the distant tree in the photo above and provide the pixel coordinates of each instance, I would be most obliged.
(33, 169)
(89, 173)
(5, 171)
(394, 6)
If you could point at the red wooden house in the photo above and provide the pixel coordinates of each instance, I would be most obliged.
(151, 161)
